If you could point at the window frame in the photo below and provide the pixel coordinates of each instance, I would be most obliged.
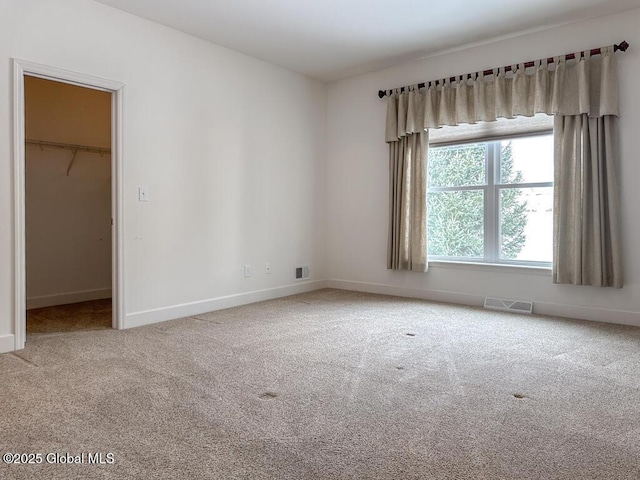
(491, 188)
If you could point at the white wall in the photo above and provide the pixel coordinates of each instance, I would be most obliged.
(68, 217)
(358, 180)
(231, 148)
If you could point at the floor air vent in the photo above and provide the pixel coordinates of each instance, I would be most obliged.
(302, 272)
(508, 305)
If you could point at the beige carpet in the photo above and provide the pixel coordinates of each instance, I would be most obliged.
(92, 315)
(330, 385)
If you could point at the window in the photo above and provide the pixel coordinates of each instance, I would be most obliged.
(492, 202)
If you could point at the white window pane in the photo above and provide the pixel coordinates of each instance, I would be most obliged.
(456, 224)
(526, 224)
(457, 166)
(527, 160)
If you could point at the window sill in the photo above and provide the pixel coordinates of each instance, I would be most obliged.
(519, 269)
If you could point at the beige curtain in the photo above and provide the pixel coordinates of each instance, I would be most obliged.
(585, 87)
(586, 238)
(586, 241)
(408, 203)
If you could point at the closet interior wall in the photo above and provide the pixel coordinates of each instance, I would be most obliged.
(68, 193)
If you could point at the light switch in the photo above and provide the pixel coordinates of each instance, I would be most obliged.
(143, 194)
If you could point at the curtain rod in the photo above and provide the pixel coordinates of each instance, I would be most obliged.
(596, 51)
(69, 146)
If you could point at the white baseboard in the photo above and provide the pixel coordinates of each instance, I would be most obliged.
(71, 297)
(622, 317)
(432, 295)
(147, 317)
(7, 343)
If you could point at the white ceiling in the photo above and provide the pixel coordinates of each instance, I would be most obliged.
(332, 39)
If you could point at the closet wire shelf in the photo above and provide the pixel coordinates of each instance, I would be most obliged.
(68, 146)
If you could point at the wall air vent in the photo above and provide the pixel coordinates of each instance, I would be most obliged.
(302, 272)
(504, 304)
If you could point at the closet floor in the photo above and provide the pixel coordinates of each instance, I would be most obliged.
(93, 315)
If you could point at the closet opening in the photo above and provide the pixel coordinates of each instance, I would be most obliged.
(68, 207)
(46, 127)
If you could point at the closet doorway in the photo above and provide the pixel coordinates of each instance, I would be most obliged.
(67, 207)
(68, 260)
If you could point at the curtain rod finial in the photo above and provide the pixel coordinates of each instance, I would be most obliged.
(382, 93)
(623, 46)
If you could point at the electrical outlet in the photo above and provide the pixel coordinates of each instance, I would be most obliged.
(267, 268)
(247, 270)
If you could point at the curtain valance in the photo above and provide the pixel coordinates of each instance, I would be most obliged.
(588, 86)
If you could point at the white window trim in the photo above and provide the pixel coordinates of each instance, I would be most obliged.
(491, 190)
